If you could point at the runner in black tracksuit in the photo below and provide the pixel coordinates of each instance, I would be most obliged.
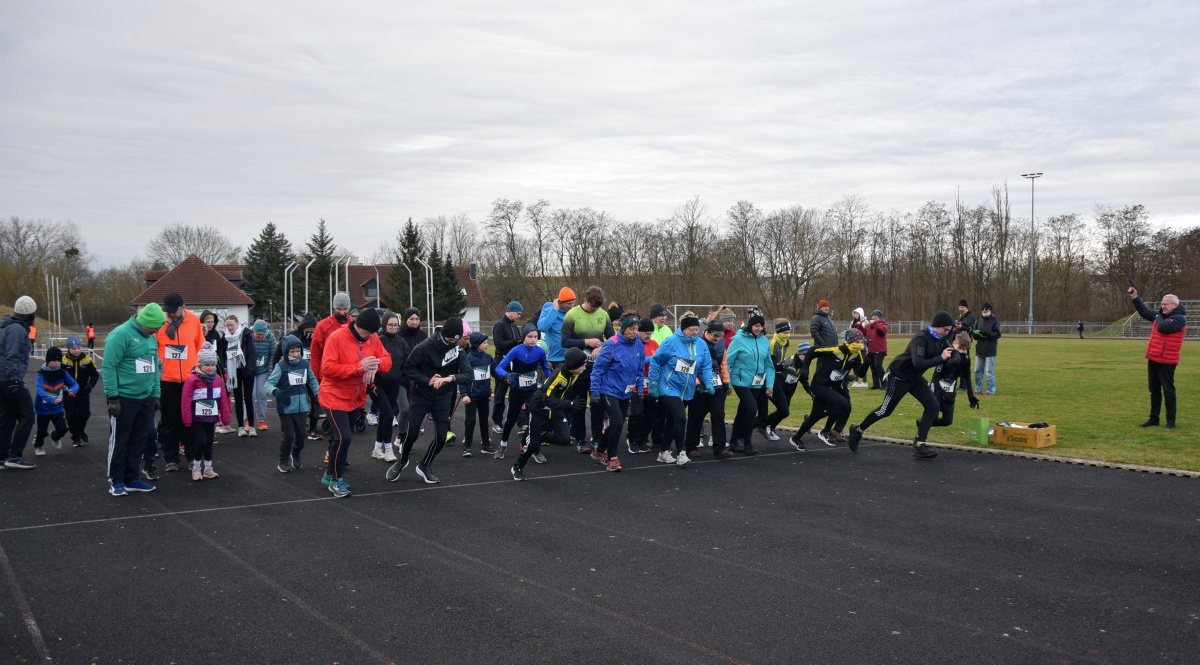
(433, 369)
(549, 408)
(945, 375)
(925, 350)
(835, 366)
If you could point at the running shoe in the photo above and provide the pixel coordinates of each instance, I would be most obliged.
(614, 464)
(922, 451)
(517, 472)
(771, 434)
(683, 458)
(209, 473)
(856, 434)
(117, 489)
(797, 442)
(243, 431)
(497, 427)
(296, 459)
(427, 475)
(172, 467)
(339, 489)
(377, 453)
(372, 419)
(539, 458)
(499, 451)
(582, 448)
(197, 474)
(486, 448)
(39, 451)
(250, 431)
(450, 438)
(149, 473)
(466, 452)
(389, 453)
(326, 479)
(139, 485)
(283, 467)
(666, 457)
(724, 454)
(313, 436)
(826, 438)
(600, 457)
(262, 425)
(18, 463)
(393, 472)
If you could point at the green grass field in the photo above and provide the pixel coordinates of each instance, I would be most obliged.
(1094, 391)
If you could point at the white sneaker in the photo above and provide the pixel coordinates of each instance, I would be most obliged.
(40, 452)
(243, 431)
(372, 419)
(389, 453)
(378, 452)
(772, 435)
(666, 457)
(251, 431)
(682, 459)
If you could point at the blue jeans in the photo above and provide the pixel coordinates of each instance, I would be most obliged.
(988, 366)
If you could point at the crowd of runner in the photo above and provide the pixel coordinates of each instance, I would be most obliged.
(592, 379)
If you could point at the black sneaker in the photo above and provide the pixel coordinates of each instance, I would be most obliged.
(736, 447)
(172, 466)
(296, 459)
(922, 451)
(724, 454)
(486, 449)
(427, 475)
(749, 451)
(797, 442)
(283, 467)
(1170, 425)
(393, 472)
(1153, 422)
(149, 473)
(518, 473)
(466, 452)
(856, 434)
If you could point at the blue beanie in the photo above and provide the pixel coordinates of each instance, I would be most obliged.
(73, 342)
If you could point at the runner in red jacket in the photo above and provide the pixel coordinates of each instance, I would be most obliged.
(352, 356)
(339, 318)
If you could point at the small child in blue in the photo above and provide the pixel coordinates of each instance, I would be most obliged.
(53, 384)
(290, 383)
(478, 393)
(519, 367)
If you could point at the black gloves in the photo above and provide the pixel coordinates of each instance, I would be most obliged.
(13, 389)
(114, 407)
(155, 404)
(974, 402)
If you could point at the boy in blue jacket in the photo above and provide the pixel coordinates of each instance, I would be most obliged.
(478, 392)
(53, 385)
(519, 368)
(291, 381)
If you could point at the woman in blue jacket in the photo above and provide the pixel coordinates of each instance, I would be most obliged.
(616, 376)
(680, 361)
(750, 370)
(519, 368)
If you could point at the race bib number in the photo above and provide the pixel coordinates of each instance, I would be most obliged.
(306, 354)
(758, 380)
(716, 380)
(526, 380)
(791, 378)
(54, 396)
(684, 367)
(481, 373)
(837, 374)
(297, 378)
(143, 365)
(206, 408)
(947, 386)
(199, 394)
(451, 355)
(176, 352)
(260, 362)
(629, 388)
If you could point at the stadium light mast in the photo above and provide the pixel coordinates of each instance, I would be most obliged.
(1032, 235)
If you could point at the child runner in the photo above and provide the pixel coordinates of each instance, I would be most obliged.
(926, 349)
(750, 371)
(53, 386)
(945, 376)
(616, 377)
(291, 382)
(79, 366)
(204, 405)
(519, 369)
(674, 370)
(835, 366)
(478, 392)
(549, 408)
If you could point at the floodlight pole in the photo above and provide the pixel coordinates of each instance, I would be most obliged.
(306, 267)
(428, 293)
(1032, 235)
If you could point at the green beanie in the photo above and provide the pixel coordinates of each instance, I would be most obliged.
(876, 312)
(152, 316)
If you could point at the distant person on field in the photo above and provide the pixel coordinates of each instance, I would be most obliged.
(986, 335)
(876, 332)
(1080, 328)
(1162, 353)
(824, 333)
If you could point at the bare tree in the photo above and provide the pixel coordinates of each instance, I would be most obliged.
(177, 241)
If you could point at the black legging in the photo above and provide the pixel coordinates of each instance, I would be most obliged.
(672, 405)
(782, 399)
(386, 396)
(439, 411)
(340, 436)
(827, 402)
(838, 423)
(703, 404)
(579, 419)
(946, 414)
(477, 413)
(243, 399)
(516, 401)
(896, 390)
(616, 409)
(743, 422)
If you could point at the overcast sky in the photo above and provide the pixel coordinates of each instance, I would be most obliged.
(127, 116)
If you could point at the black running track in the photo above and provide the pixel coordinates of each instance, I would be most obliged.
(823, 556)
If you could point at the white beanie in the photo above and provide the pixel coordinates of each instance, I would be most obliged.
(25, 306)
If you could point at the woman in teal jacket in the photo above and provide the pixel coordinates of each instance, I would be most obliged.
(675, 368)
(750, 370)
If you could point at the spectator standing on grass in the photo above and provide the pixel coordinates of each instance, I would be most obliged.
(1168, 327)
(926, 349)
(1080, 328)
(16, 405)
(264, 362)
(586, 327)
(505, 335)
(876, 332)
(53, 385)
(239, 373)
(550, 323)
(130, 375)
(965, 323)
(79, 366)
(205, 405)
(178, 343)
(987, 335)
(824, 333)
(292, 383)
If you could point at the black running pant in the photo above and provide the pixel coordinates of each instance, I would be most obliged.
(712, 405)
(579, 418)
(43, 425)
(386, 398)
(243, 401)
(16, 419)
(439, 412)
(340, 435)
(744, 421)
(544, 426)
(875, 359)
(516, 400)
(827, 402)
(170, 420)
(651, 423)
(294, 435)
(897, 389)
(781, 397)
(477, 412)
(617, 409)
(946, 405)
(78, 410)
(1162, 383)
(128, 437)
(199, 441)
(673, 406)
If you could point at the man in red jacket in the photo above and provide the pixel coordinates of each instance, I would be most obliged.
(352, 355)
(339, 318)
(1162, 353)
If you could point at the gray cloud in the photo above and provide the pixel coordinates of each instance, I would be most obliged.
(126, 117)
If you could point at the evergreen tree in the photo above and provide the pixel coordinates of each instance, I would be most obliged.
(410, 247)
(267, 258)
(320, 247)
(448, 298)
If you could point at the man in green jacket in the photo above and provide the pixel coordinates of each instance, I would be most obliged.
(131, 373)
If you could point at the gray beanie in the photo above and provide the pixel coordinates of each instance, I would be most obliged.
(341, 299)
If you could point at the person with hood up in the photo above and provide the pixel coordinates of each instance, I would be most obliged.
(387, 389)
(338, 319)
(204, 405)
(432, 369)
(240, 359)
(876, 332)
(130, 377)
(505, 335)
(79, 366)
(925, 350)
(681, 366)
(518, 368)
(830, 399)
(210, 326)
(549, 408)
(350, 360)
(550, 322)
(53, 386)
(178, 343)
(478, 391)
(304, 333)
(265, 348)
(291, 383)
(711, 404)
(16, 405)
(616, 378)
(750, 371)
